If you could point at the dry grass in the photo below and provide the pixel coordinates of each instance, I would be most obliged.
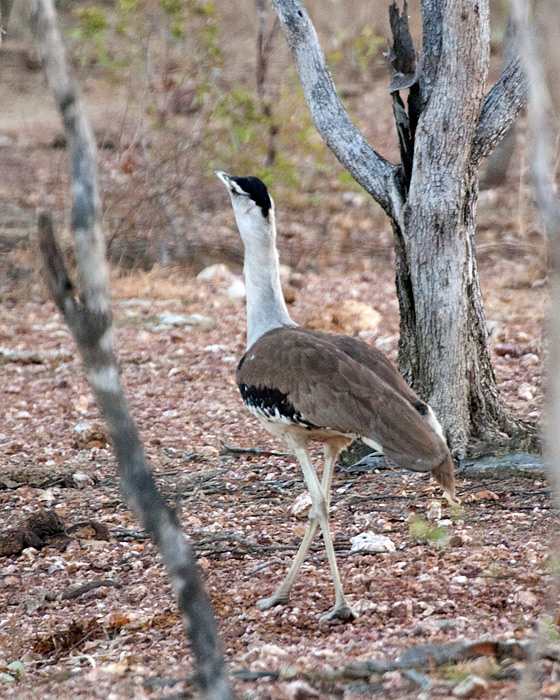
(157, 284)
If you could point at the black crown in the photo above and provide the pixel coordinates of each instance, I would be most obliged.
(256, 189)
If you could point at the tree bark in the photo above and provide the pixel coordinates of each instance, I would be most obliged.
(452, 126)
(443, 348)
(495, 170)
(90, 321)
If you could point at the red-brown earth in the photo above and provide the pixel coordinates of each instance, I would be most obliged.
(486, 575)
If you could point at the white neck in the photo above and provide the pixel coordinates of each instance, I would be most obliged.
(266, 308)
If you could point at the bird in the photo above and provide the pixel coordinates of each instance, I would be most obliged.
(306, 385)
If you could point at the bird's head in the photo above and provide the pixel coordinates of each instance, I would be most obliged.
(252, 205)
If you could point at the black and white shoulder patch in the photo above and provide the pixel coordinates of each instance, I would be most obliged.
(272, 405)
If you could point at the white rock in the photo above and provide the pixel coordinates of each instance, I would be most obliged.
(57, 565)
(236, 289)
(353, 199)
(285, 272)
(82, 480)
(301, 505)
(433, 511)
(362, 606)
(85, 432)
(215, 273)
(267, 650)
(386, 344)
(471, 687)
(170, 320)
(529, 360)
(300, 690)
(370, 542)
(525, 392)
(526, 599)
(48, 497)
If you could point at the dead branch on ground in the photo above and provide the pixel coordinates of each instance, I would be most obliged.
(77, 591)
(89, 318)
(425, 657)
(232, 449)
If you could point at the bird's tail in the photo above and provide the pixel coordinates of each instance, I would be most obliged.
(445, 477)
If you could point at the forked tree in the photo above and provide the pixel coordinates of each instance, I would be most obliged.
(447, 124)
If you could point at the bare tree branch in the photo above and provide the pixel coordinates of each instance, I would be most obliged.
(496, 167)
(375, 174)
(499, 109)
(89, 319)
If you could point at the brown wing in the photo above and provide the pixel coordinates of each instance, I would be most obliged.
(373, 359)
(329, 389)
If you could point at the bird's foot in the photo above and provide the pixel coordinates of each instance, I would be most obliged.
(276, 599)
(453, 501)
(341, 611)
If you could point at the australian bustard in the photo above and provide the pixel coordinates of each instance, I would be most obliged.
(306, 385)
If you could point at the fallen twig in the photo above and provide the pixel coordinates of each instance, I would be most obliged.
(426, 657)
(244, 674)
(264, 565)
(430, 655)
(231, 449)
(77, 591)
(208, 546)
(120, 533)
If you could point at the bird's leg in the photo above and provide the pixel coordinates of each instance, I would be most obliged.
(282, 594)
(319, 512)
(331, 451)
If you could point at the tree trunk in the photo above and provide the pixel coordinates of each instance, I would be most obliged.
(445, 130)
(443, 346)
(443, 350)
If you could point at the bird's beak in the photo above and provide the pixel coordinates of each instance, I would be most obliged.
(224, 177)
